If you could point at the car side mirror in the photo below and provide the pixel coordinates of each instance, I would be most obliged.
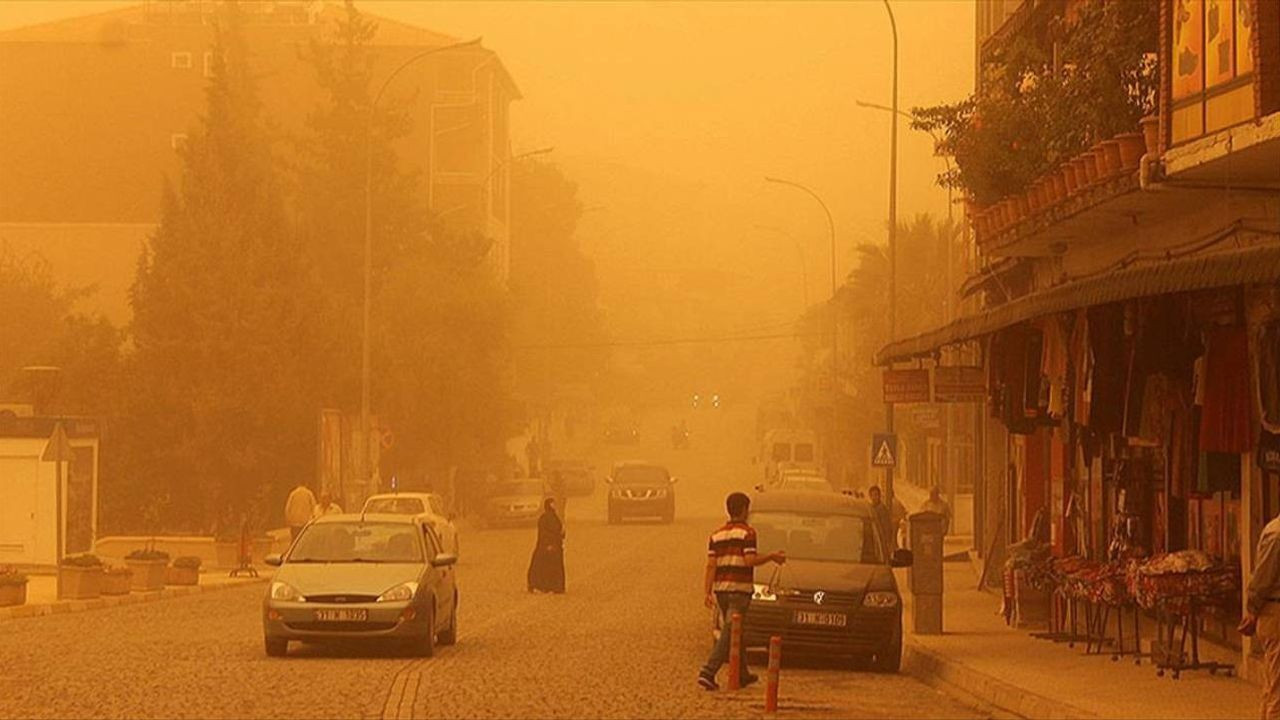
(901, 557)
(444, 560)
(274, 560)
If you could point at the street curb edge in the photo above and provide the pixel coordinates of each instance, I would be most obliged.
(65, 607)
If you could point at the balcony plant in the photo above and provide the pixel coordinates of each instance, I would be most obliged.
(149, 568)
(184, 571)
(116, 580)
(13, 587)
(79, 577)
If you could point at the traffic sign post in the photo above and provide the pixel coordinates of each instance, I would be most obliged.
(884, 450)
(57, 451)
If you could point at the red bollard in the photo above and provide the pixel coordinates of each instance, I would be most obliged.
(771, 678)
(735, 650)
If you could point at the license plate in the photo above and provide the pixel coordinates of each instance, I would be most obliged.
(820, 618)
(352, 615)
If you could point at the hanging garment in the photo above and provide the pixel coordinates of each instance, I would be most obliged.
(1268, 375)
(1109, 348)
(1226, 422)
(1219, 472)
(1053, 367)
(1082, 367)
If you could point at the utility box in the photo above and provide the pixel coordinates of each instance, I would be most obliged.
(925, 576)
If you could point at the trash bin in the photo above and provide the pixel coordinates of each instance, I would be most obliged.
(925, 576)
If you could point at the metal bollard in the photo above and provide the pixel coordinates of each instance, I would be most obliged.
(775, 669)
(735, 650)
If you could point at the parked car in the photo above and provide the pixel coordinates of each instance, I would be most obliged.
(429, 505)
(622, 433)
(515, 502)
(800, 479)
(578, 475)
(641, 489)
(836, 595)
(362, 576)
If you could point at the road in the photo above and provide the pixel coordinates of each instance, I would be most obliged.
(625, 641)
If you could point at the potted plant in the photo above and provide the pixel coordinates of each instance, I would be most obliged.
(116, 580)
(149, 568)
(79, 577)
(1151, 134)
(13, 587)
(1132, 146)
(184, 571)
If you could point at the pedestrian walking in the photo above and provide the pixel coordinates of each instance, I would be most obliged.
(935, 504)
(546, 567)
(298, 509)
(729, 582)
(883, 518)
(326, 506)
(1262, 616)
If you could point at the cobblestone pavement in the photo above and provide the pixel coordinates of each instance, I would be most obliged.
(624, 642)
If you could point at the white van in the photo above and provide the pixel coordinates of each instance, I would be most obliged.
(789, 448)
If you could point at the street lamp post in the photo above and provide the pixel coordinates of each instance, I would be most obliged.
(835, 320)
(365, 471)
(893, 235)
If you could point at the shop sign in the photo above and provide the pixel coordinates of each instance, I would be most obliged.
(959, 384)
(926, 416)
(906, 386)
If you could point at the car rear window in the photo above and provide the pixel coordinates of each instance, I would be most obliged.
(395, 506)
(814, 536)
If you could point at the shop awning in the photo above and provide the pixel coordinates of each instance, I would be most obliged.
(1202, 272)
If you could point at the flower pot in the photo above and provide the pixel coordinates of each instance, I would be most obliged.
(1132, 146)
(117, 583)
(1035, 200)
(1086, 173)
(1059, 187)
(1111, 155)
(1020, 206)
(76, 582)
(148, 575)
(1068, 173)
(1151, 134)
(11, 595)
(227, 553)
(183, 576)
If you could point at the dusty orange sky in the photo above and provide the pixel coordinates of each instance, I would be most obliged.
(712, 96)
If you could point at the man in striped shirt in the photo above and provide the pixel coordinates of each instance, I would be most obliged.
(729, 582)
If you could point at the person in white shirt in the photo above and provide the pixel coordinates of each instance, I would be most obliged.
(298, 509)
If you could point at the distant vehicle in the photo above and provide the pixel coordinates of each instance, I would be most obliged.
(429, 505)
(362, 576)
(641, 489)
(783, 447)
(579, 475)
(515, 502)
(836, 595)
(793, 479)
(622, 433)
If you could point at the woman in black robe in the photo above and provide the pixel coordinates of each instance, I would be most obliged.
(546, 568)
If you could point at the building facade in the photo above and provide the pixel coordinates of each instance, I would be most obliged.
(85, 165)
(1125, 311)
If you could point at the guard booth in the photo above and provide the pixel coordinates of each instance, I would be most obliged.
(29, 493)
(925, 576)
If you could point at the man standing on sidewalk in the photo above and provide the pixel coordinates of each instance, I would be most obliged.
(1263, 615)
(298, 509)
(730, 581)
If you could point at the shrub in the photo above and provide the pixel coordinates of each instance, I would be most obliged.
(83, 560)
(117, 570)
(150, 555)
(10, 576)
(189, 562)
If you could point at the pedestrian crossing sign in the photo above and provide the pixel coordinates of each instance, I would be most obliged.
(884, 450)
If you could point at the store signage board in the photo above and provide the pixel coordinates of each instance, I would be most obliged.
(959, 384)
(884, 450)
(906, 386)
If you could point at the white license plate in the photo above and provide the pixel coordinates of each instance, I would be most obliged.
(820, 618)
(353, 615)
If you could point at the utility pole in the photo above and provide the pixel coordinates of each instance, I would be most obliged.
(893, 240)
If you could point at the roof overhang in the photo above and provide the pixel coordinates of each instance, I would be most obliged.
(1201, 272)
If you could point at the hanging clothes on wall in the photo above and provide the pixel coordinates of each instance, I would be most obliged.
(1109, 349)
(1053, 367)
(1267, 371)
(1226, 420)
(1081, 368)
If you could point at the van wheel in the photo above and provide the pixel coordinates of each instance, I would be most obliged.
(449, 635)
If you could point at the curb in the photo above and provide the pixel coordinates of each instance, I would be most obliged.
(63, 607)
(949, 676)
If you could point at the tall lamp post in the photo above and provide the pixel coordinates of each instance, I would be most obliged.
(893, 235)
(365, 471)
(835, 319)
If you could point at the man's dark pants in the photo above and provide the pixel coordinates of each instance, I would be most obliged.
(729, 602)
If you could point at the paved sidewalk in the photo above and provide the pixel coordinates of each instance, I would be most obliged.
(42, 595)
(981, 657)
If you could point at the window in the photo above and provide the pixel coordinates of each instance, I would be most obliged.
(180, 61)
(1212, 68)
(178, 141)
(346, 542)
(804, 452)
(395, 506)
(810, 536)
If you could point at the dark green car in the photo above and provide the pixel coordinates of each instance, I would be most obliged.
(363, 576)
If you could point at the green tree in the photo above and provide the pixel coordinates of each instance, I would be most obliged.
(222, 418)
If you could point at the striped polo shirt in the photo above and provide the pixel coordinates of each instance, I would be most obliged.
(730, 547)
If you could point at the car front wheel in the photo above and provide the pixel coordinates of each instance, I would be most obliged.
(889, 659)
(449, 636)
(275, 647)
(426, 645)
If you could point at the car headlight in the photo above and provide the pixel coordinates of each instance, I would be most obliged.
(880, 599)
(763, 593)
(399, 593)
(286, 592)
(660, 492)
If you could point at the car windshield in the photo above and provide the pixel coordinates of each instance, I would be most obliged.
(807, 482)
(521, 487)
(641, 475)
(395, 506)
(813, 536)
(345, 542)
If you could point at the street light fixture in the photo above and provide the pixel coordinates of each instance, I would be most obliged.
(365, 473)
(835, 316)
